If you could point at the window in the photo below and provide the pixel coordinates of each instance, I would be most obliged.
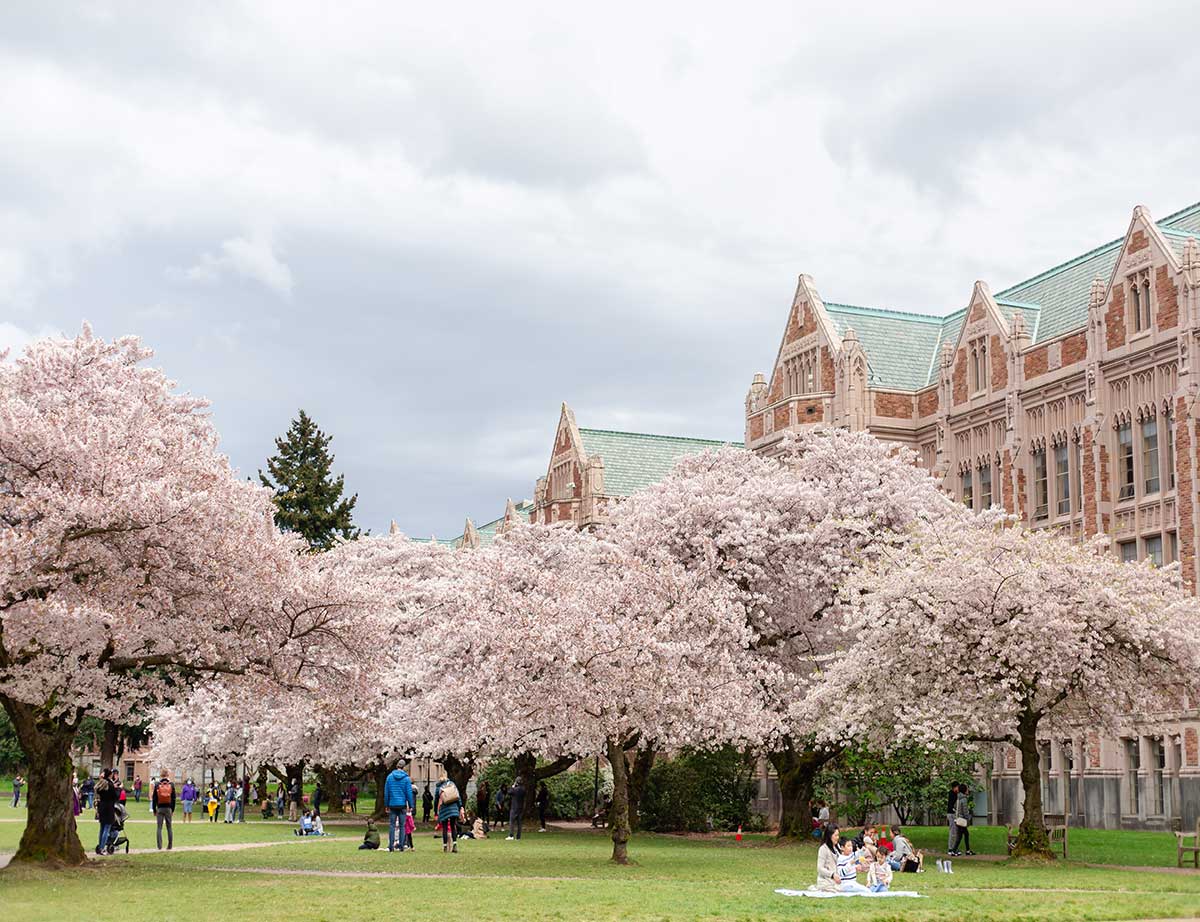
(1172, 547)
(1170, 451)
(1154, 549)
(977, 367)
(1041, 498)
(1078, 507)
(1133, 762)
(1062, 480)
(800, 373)
(1125, 461)
(985, 487)
(968, 489)
(1150, 454)
(129, 771)
(1160, 769)
(1128, 550)
(1139, 300)
(1137, 308)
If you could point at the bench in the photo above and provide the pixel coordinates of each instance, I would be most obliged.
(1055, 825)
(1188, 842)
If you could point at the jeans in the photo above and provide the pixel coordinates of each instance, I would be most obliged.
(105, 835)
(852, 886)
(396, 817)
(514, 822)
(879, 888)
(164, 815)
(449, 831)
(137, 796)
(894, 864)
(16, 796)
(963, 839)
(953, 835)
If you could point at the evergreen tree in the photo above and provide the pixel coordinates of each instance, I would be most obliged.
(308, 498)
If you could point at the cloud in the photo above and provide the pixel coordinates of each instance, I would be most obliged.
(14, 338)
(253, 259)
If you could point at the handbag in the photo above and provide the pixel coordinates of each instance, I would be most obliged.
(960, 821)
(449, 793)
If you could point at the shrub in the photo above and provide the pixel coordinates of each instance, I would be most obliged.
(570, 791)
(696, 788)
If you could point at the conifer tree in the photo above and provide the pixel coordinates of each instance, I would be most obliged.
(308, 498)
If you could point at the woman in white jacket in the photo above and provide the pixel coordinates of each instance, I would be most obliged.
(827, 859)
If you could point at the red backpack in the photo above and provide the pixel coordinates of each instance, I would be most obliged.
(163, 792)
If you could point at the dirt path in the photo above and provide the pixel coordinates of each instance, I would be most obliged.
(221, 847)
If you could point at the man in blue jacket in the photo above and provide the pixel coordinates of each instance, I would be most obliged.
(398, 795)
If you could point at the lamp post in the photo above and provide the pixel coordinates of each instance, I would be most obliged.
(245, 770)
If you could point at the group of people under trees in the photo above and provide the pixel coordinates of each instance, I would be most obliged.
(842, 857)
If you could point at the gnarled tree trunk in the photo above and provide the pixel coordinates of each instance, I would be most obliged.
(381, 771)
(1031, 836)
(531, 774)
(797, 769)
(618, 816)
(108, 747)
(639, 774)
(460, 772)
(50, 834)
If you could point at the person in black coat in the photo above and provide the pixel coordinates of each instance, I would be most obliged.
(107, 796)
(516, 807)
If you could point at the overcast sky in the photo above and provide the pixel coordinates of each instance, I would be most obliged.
(430, 226)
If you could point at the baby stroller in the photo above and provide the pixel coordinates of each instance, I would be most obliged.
(116, 835)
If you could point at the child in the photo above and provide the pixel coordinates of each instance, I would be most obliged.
(410, 825)
(847, 869)
(212, 805)
(318, 825)
(371, 839)
(879, 875)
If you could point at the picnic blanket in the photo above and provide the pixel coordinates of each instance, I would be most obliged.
(830, 894)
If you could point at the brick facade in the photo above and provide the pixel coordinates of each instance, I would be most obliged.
(894, 406)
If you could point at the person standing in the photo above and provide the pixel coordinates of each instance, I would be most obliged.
(543, 802)
(516, 807)
(17, 783)
(449, 806)
(951, 809)
(316, 799)
(188, 796)
(280, 799)
(243, 798)
(398, 798)
(962, 822)
(295, 798)
(352, 796)
(426, 803)
(107, 796)
(231, 798)
(162, 795)
(87, 791)
(483, 803)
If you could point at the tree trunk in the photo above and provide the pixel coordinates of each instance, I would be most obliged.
(50, 835)
(381, 771)
(639, 774)
(797, 769)
(459, 771)
(1031, 836)
(618, 816)
(108, 747)
(526, 768)
(331, 788)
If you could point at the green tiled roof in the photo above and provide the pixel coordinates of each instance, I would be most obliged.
(635, 460)
(902, 348)
(447, 542)
(487, 533)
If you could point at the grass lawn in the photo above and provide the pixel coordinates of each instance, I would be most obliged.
(561, 876)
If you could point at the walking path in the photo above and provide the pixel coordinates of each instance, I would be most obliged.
(222, 847)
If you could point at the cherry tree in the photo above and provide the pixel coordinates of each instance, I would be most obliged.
(133, 559)
(986, 631)
(785, 534)
(558, 643)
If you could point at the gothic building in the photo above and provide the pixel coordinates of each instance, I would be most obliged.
(1069, 399)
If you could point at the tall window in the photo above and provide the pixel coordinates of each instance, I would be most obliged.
(1160, 779)
(985, 486)
(977, 366)
(1128, 551)
(1150, 454)
(1078, 453)
(1062, 480)
(1133, 761)
(1170, 451)
(1154, 549)
(968, 489)
(1125, 461)
(1172, 547)
(1139, 300)
(800, 373)
(1041, 495)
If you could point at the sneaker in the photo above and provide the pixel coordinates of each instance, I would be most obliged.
(969, 852)
(508, 838)
(454, 849)
(543, 829)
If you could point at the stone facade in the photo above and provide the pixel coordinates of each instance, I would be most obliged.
(1069, 399)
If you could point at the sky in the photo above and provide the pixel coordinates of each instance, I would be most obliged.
(428, 225)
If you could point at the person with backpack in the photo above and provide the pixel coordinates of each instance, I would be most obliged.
(449, 806)
(398, 798)
(516, 807)
(162, 795)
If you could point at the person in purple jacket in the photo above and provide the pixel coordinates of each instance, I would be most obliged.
(189, 795)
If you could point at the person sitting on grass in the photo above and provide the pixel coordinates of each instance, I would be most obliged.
(306, 825)
(849, 863)
(904, 858)
(879, 874)
(371, 838)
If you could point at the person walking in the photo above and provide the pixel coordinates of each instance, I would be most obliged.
(516, 807)
(398, 798)
(449, 806)
(107, 796)
(17, 784)
(426, 803)
(962, 822)
(951, 809)
(188, 796)
(162, 795)
(295, 798)
(543, 802)
(483, 803)
(137, 788)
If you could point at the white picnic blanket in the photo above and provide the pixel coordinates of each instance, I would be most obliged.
(831, 894)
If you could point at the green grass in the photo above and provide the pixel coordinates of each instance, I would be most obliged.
(564, 876)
